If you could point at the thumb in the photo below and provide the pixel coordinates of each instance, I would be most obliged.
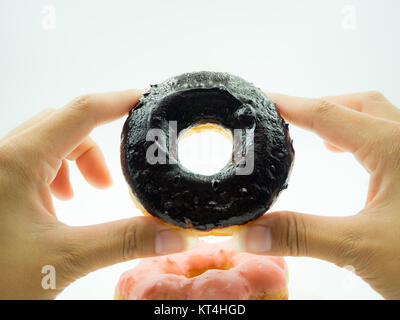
(98, 246)
(335, 239)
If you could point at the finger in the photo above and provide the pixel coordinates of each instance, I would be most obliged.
(91, 163)
(335, 239)
(67, 127)
(347, 129)
(371, 102)
(29, 123)
(102, 245)
(61, 185)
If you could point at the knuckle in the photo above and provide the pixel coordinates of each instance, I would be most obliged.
(83, 100)
(384, 147)
(83, 103)
(392, 144)
(14, 163)
(321, 106)
(373, 95)
(82, 107)
(393, 132)
(131, 242)
(319, 109)
(295, 235)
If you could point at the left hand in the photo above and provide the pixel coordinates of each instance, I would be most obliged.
(368, 126)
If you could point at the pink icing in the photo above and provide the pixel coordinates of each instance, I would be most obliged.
(165, 278)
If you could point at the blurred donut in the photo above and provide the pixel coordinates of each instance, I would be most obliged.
(211, 271)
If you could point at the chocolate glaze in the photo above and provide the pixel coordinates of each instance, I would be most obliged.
(183, 198)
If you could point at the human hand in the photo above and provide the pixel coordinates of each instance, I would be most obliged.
(367, 125)
(32, 166)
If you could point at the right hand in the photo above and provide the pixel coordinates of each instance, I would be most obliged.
(367, 125)
(33, 166)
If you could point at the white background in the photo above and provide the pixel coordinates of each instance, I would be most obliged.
(53, 51)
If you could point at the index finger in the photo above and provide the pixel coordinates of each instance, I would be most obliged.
(67, 127)
(371, 102)
(343, 127)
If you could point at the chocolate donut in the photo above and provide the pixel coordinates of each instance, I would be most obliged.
(244, 189)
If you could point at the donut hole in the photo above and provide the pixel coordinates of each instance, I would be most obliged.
(205, 148)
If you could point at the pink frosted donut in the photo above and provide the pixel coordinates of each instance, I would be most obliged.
(211, 271)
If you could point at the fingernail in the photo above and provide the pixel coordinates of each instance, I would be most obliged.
(255, 239)
(168, 241)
